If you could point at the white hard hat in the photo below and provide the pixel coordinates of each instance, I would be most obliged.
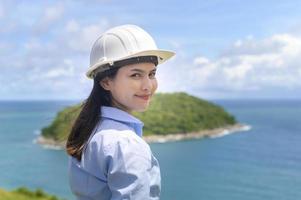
(123, 43)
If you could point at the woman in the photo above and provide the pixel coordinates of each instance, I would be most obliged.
(108, 157)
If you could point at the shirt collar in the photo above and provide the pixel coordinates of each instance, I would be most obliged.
(122, 116)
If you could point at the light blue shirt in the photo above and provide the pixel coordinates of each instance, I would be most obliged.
(117, 164)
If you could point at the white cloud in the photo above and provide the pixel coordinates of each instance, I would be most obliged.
(56, 64)
(33, 45)
(1, 11)
(248, 65)
(238, 72)
(53, 13)
(50, 15)
(66, 70)
(201, 61)
(73, 43)
(80, 38)
(5, 47)
(72, 26)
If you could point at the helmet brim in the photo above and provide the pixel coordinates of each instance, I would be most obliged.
(163, 55)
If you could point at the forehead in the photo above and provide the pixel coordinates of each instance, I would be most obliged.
(140, 66)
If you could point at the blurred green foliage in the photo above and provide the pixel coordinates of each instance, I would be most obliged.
(168, 113)
(61, 126)
(182, 113)
(23, 193)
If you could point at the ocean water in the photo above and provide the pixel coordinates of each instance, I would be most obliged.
(259, 164)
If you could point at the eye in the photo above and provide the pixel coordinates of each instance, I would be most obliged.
(152, 74)
(136, 75)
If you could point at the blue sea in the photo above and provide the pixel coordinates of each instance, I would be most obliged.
(259, 164)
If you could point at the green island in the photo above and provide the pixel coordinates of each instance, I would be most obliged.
(170, 117)
(23, 193)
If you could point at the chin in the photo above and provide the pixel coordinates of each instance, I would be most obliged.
(141, 109)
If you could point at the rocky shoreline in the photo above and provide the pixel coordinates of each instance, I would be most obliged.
(213, 133)
(218, 132)
(49, 143)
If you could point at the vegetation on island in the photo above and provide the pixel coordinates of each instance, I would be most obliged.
(182, 113)
(169, 113)
(59, 129)
(23, 193)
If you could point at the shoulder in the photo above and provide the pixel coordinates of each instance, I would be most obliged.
(121, 140)
(110, 124)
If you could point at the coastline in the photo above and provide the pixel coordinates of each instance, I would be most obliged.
(49, 143)
(213, 133)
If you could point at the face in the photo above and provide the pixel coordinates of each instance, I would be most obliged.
(132, 87)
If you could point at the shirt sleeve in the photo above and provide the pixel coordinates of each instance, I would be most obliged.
(128, 170)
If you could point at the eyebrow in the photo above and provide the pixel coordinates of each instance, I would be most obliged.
(142, 71)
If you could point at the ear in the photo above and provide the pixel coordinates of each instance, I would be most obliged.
(105, 83)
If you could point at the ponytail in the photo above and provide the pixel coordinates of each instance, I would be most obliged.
(89, 116)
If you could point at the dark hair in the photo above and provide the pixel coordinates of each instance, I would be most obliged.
(91, 112)
(89, 115)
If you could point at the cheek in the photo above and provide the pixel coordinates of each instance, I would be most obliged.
(124, 86)
(118, 87)
(155, 84)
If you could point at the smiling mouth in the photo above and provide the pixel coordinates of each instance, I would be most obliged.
(144, 97)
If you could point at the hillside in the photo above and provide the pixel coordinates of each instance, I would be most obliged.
(182, 113)
(169, 113)
(25, 194)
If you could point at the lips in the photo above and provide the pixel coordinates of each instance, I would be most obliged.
(144, 97)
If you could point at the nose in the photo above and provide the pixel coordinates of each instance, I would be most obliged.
(147, 84)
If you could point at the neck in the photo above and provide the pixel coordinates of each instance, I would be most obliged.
(121, 107)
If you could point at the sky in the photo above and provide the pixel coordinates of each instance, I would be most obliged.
(225, 49)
